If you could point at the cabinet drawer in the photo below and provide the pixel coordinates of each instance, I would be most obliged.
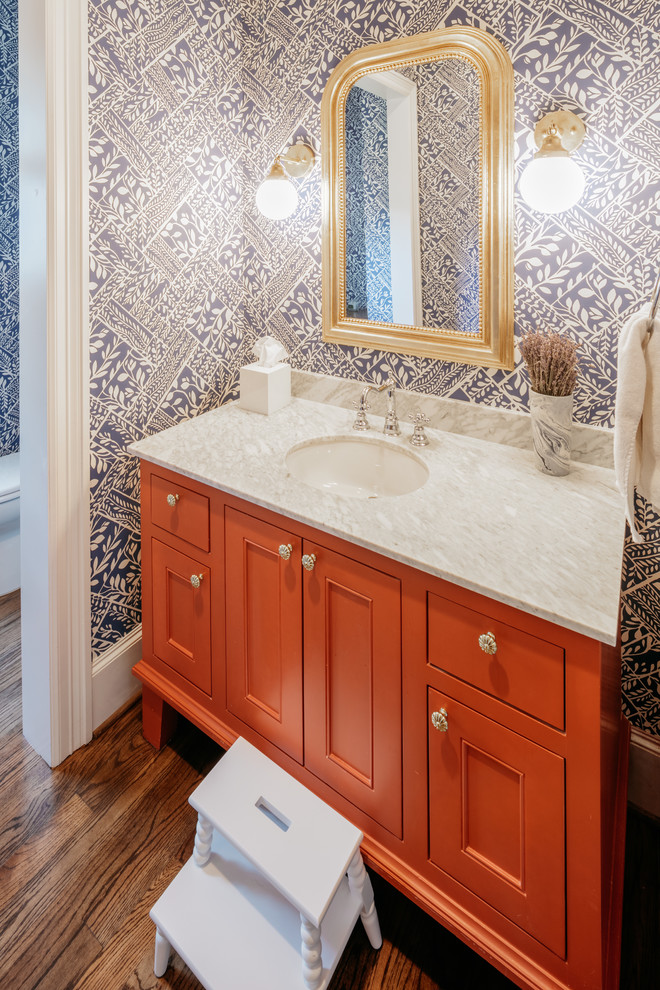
(187, 518)
(525, 672)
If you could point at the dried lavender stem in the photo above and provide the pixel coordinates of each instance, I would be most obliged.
(551, 361)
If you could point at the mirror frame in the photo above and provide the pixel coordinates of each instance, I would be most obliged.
(493, 347)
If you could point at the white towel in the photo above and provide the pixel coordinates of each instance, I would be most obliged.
(637, 416)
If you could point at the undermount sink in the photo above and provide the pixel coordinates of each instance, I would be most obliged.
(361, 467)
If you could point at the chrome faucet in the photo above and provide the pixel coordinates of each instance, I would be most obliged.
(391, 427)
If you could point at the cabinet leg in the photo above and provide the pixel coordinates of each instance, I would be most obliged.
(312, 965)
(158, 718)
(203, 839)
(360, 884)
(161, 954)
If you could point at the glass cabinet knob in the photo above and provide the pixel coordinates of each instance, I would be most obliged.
(196, 580)
(308, 561)
(172, 500)
(440, 720)
(284, 550)
(487, 643)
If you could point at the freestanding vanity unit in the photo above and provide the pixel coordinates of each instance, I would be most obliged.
(439, 666)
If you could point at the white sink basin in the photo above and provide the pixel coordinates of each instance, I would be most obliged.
(361, 467)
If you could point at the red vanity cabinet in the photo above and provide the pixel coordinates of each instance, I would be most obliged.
(480, 749)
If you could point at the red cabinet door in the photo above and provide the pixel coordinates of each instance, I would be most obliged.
(496, 818)
(352, 631)
(181, 597)
(264, 635)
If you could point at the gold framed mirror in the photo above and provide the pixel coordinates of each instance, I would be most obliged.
(417, 140)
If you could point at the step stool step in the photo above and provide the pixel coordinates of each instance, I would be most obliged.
(300, 844)
(236, 932)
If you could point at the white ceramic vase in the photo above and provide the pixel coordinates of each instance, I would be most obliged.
(551, 417)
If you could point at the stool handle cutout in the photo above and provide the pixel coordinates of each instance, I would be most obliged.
(271, 812)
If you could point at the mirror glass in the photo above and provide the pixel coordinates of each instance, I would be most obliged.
(418, 139)
(412, 206)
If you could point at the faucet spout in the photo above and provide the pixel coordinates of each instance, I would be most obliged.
(391, 427)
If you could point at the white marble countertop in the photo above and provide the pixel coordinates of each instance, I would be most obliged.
(486, 519)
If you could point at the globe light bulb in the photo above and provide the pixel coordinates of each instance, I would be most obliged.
(552, 184)
(276, 197)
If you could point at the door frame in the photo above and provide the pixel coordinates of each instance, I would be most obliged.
(54, 383)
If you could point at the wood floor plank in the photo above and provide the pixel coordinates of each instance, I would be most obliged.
(72, 887)
(10, 669)
(69, 966)
(163, 819)
(131, 948)
(10, 699)
(12, 602)
(26, 793)
(36, 854)
(177, 977)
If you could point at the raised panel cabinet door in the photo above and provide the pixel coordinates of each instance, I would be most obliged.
(181, 604)
(264, 629)
(352, 629)
(496, 817)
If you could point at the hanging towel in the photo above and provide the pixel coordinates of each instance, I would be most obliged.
(637, 416)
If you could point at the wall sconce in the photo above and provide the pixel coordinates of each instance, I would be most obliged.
(553, 181)
(277, 197)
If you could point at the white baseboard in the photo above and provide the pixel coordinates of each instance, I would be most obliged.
(644, 772)
(113, 684)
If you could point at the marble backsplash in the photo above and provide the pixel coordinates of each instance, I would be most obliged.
(590, 444)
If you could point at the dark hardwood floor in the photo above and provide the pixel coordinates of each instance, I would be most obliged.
(87, 848)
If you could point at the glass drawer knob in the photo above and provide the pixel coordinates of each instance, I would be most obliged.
(196, 580)
(487, 643)
(172, 500)
(440, 720)
(308, 561)
(284, 550)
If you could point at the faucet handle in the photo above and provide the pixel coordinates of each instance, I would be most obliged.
(419, 437)
(388, 380)
(361, 422)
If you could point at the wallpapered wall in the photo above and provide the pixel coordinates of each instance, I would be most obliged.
(9, 436)
(190, 101)
(169, 124)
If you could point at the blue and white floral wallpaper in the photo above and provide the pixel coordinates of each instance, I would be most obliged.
(9, 428)
(368, 255)
(170, 122)
(189, 102)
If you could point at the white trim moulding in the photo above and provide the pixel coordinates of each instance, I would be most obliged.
(55, 527)
(113, 684)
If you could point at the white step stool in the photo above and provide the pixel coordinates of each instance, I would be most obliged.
(264, 902)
